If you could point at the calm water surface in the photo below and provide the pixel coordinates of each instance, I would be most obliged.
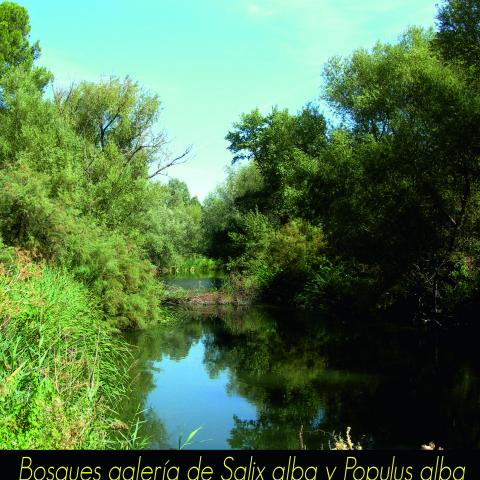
(253, 377)
(193, 282)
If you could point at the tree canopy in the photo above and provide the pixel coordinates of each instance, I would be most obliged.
(392, 184)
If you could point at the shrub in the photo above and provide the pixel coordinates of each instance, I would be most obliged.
(60, 366)
(277, 258)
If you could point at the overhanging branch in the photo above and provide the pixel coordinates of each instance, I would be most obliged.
(175, 161)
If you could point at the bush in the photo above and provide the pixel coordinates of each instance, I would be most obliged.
(337, 288)
(277, 259)
(60, 366)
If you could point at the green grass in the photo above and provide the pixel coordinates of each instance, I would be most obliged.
(192, 264)
(60, 364)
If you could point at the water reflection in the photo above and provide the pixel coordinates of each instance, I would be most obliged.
(252, 378)
(199, 282)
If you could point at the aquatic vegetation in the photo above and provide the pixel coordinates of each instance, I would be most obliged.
(189, 440)
(345, 443)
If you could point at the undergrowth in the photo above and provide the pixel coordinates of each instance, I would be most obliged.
(61, 366)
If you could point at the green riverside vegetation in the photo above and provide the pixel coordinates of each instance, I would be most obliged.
(84, 231)
(374, 206)
(58, 360)
(371, 207)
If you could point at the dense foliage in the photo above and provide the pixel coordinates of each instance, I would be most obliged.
(375, 205)
(76, 184)
(60, 365)
(84, 232)
(378, 207)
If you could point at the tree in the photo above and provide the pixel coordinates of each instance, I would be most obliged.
(458, 35)
(225, 207)
(119, 118)
(284, 147)
(15, 49)
(415, 126)
(394, 187)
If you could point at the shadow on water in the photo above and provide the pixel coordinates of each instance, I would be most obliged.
(252, 377)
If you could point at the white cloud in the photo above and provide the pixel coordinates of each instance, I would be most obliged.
(314, 30)
(258, 11)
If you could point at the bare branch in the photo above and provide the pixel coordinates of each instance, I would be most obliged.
(61, 96)
(175, 161)
(155, 144)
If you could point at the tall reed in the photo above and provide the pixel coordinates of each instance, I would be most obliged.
(61, 366)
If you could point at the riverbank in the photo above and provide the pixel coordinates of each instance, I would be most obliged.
(209, 289)
(62, 368)
(208, 298)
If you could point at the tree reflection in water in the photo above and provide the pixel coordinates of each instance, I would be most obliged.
(395, 386)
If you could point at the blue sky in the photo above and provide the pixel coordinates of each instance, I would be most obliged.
(211, 60)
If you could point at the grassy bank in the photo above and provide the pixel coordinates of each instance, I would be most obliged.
(60, 364)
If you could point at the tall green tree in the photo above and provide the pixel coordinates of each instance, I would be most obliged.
(16, 52)
(394, 186)
(415, 122)
(15, 48)
(458, 34)
(284, 148)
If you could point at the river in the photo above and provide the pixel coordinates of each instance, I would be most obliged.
(254, 378)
